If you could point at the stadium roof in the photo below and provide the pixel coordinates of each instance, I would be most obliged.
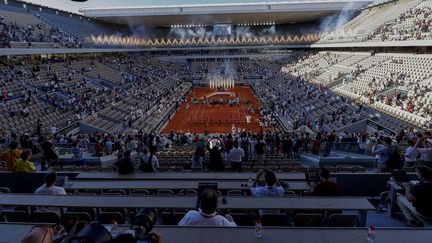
(229, 13)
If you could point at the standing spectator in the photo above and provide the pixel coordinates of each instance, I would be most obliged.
(236, 156)
(109, 146)
(125, 165)
(77, 153)
(148, 162)
(215, 156)
(197, 161)
(98, 148)
(383, 150)
(260, 151)
(50, 156)
(252, 143)
(244, 143)
(11, 156)
(425, 152)
(411, 154)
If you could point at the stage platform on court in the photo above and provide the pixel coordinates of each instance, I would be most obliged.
(216, 118)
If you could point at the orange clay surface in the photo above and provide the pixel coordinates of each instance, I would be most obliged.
(215, 118)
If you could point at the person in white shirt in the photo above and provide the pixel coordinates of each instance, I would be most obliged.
(411, 154)
(207, 215)
(236, 156)
(49, 188)
(271, 189)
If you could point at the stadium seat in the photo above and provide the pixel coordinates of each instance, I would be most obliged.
(10, 215)
(77, 216)
(274, 220)
(308, 220)
(341, 220)
(45, 217)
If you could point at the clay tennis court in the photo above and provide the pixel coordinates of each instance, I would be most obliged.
(216, 118)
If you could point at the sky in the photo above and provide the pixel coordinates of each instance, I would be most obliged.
(75, 6)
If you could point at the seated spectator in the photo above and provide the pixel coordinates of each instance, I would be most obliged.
(11, 156)
(148, 162)
(271, 189)
(325, 187)
(49, 188)
(207, 215)
(236, 156)
(417, 201)
(24, 164)
(77, 152)
(125, 165)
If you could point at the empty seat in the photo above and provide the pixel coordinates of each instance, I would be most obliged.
(172, 218)
(15, 215)
(274, 220)
(116, 192)
(165, 192)
(188, 192)
(235, 193)
(342, 220)
(140, 192)
(45, 217)
(289, 193)
(243, 219)
(4, 190)
(308, 220)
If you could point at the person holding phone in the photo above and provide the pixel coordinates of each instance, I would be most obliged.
(415, 204)
(272, 188)
(424, 148)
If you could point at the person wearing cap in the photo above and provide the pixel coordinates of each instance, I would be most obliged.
(425, 151)
(207, 213)
(416, 203)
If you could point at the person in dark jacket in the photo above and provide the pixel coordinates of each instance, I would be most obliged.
(125, 165)
(215, 149)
